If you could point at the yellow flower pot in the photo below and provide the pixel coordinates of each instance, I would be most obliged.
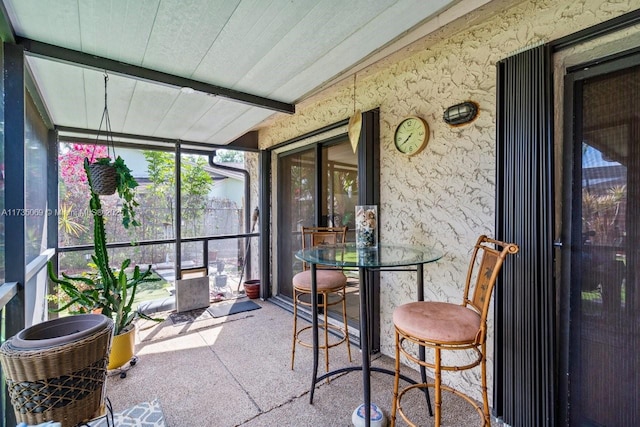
(122, 347)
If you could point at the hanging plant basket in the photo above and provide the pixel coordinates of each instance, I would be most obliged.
(103, 179)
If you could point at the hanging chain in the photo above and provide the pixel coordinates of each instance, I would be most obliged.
(107, 123)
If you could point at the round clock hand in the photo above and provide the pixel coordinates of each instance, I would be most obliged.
(405, 141)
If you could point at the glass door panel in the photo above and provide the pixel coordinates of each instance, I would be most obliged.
(339, 198)
(605, 322)
(318, 186)
(296, 208)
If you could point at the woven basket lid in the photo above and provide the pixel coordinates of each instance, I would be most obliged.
(59, 331)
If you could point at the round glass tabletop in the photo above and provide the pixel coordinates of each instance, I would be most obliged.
(385, 255)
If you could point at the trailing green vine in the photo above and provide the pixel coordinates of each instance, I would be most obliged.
(125, 186)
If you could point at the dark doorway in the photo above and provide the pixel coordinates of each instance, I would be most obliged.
(603, 218)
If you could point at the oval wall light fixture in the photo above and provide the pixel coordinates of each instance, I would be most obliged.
(461, 113)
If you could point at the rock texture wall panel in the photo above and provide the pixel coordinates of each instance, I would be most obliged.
(444, 196)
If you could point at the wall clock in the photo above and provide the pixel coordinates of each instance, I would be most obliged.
(412, 135)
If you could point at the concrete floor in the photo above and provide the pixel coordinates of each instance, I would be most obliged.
(235, 371)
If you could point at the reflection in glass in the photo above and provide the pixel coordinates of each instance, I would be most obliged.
(35, 213)
(604, 357)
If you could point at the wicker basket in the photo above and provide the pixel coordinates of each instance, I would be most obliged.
(103, 179)
(59, 382)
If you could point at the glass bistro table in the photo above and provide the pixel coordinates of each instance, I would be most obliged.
(367, 260)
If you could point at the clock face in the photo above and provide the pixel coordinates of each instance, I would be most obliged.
(412, 135)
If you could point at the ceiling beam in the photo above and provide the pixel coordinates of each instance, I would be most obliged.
(129, 136)
(80, 135)
(74, 57)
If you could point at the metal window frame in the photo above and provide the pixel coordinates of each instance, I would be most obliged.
(368, 193)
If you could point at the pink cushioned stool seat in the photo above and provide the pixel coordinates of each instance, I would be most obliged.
(326, 280)
(437, 321)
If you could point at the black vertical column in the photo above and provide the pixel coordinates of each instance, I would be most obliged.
(14, 174)
(14, 149)
(178, 216)
(52, 189)
(52, 207)
(525, 296)
(264, 225)
(369, 194)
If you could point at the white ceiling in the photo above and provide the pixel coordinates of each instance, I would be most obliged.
(282, 50)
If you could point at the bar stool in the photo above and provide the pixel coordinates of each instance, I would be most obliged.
(331, 287)
(443, 326)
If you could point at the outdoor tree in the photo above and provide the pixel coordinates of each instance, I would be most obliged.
(161, 167)
(196, 184)
(229, 156)
(601, 214)
(73, 222)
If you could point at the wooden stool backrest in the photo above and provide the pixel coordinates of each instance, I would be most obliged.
(317, 236)
(486, 261)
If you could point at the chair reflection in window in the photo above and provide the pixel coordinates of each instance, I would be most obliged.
(603, 277)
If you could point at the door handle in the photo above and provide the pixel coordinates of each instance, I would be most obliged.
(557, 243)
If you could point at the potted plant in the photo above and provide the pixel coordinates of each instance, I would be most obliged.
(107, 176)
(105, 290)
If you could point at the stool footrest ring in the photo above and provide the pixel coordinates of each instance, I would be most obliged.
(485, 422)
(322, 346)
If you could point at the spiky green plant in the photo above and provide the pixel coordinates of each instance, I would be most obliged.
(105, 290)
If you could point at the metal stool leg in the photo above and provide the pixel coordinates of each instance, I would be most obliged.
(295, 327)
(438, 392)
(396, 382)
(345, 322)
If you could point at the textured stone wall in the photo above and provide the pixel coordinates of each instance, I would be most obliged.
(444, 196)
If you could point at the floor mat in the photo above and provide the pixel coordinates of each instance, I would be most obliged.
(147, 414)
(189, 316)
(222, 309)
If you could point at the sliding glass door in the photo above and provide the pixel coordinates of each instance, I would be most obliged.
(318, 186)
(296, 208)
